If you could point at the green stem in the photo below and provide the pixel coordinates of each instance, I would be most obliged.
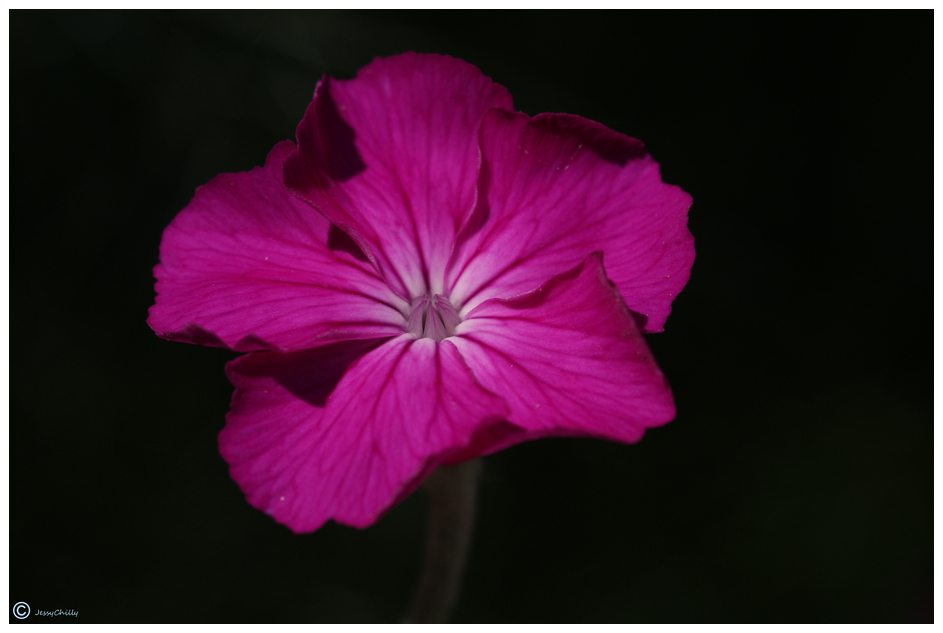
(452, 491)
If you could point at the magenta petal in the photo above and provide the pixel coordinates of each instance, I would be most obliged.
(345, 431)
(568, 358)
(391, 156)
(247, 266)
(558, 187)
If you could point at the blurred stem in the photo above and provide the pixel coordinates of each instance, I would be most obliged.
(452, 491)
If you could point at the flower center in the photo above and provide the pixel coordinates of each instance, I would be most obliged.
(432, 317)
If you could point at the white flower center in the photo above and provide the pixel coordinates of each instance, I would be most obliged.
(432, 317)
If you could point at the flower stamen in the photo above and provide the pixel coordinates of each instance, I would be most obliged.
(432, 317)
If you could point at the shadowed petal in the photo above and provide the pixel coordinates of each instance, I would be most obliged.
(248, 266)
(569, 360)
(391, 156)
(558, 187)
(347, 430)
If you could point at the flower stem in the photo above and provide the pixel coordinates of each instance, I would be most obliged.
(452, 491)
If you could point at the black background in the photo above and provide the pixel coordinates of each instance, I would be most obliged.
(796, 482)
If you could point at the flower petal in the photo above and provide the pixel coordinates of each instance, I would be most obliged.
(568, 358)
(248, 266)
(391, 156)
(345, 431)
(555, 188)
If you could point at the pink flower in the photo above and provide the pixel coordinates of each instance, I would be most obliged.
(429, 276)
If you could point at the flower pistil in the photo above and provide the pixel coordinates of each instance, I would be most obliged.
(432, 317)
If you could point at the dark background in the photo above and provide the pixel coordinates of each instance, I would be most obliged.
(796, 482)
